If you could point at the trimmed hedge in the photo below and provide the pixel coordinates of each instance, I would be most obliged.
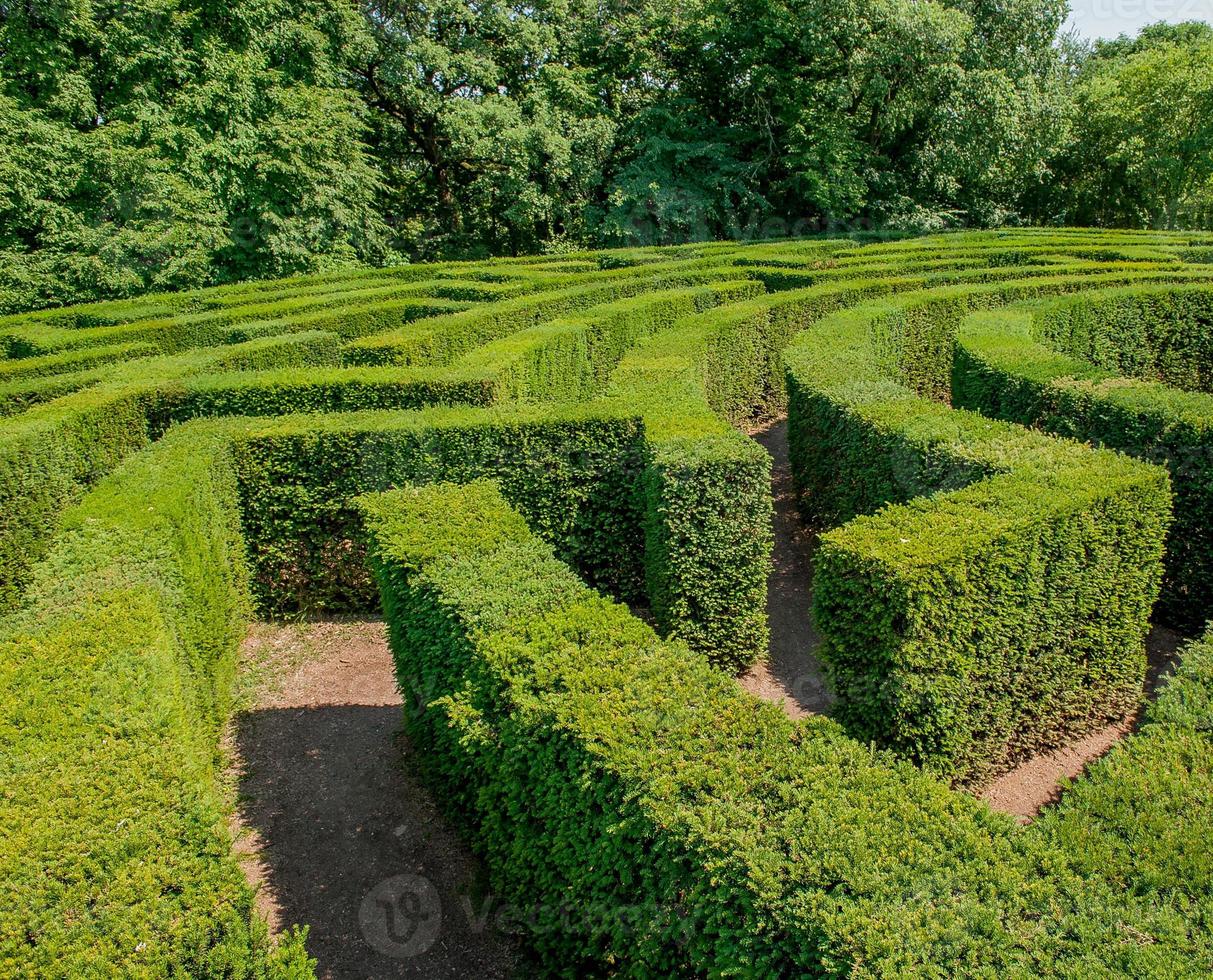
(1162, 334)
(571, 359)
(1003, 371)
(1142, 817)
(655, 820)
(178, 334)
(664, 802)
(996, 592)
(51, 452)
(441, 339)
(572, 471)
(684, 827)
(73, 360)
(113, 679)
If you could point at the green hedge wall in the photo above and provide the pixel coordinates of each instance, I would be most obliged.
(441, 339)
(1141, 817)
(997, 589)
(51, 452)
(654, 820)
(113, 856)
(573, 472)
(177, 334)
(1160, 333)
(1002, 371)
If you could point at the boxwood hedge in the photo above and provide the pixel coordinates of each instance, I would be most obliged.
(656, 820)
(995, 586)
(1055, 365)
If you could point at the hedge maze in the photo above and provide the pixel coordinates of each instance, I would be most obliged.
(1003, 440)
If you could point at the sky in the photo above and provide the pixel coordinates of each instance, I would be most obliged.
(1110, 18)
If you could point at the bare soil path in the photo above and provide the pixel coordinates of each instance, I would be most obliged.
(792, 675)
(337, 832)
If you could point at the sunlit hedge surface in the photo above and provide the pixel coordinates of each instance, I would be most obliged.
(520, 445)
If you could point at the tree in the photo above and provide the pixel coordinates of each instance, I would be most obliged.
(1141, 150)
(171, 143)
(805, 114)
(489, 129)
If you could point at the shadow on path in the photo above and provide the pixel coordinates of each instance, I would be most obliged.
(343, 838)
(792, 675)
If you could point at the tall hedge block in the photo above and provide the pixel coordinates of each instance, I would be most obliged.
(669, 823)
(573, 474)
(994, 589)
(707, 519)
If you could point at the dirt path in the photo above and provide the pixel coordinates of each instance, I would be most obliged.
(792, 675)
(336, 831)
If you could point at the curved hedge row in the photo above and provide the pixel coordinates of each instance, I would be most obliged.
(996, 585)
(688, 829)
(605, 766)
(1097, 367)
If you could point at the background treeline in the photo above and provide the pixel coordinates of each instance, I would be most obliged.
(152, 144)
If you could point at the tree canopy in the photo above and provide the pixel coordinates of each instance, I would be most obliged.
(1141, 147)
(170, 143)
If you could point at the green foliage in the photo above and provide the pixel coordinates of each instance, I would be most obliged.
(1063, 366)
(1137, 815)
(673, 825)
(168, 145)
(571, 472)
(1128, 161)
(51, 452)
(990, 598)
(998, 586)
(112, 682)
